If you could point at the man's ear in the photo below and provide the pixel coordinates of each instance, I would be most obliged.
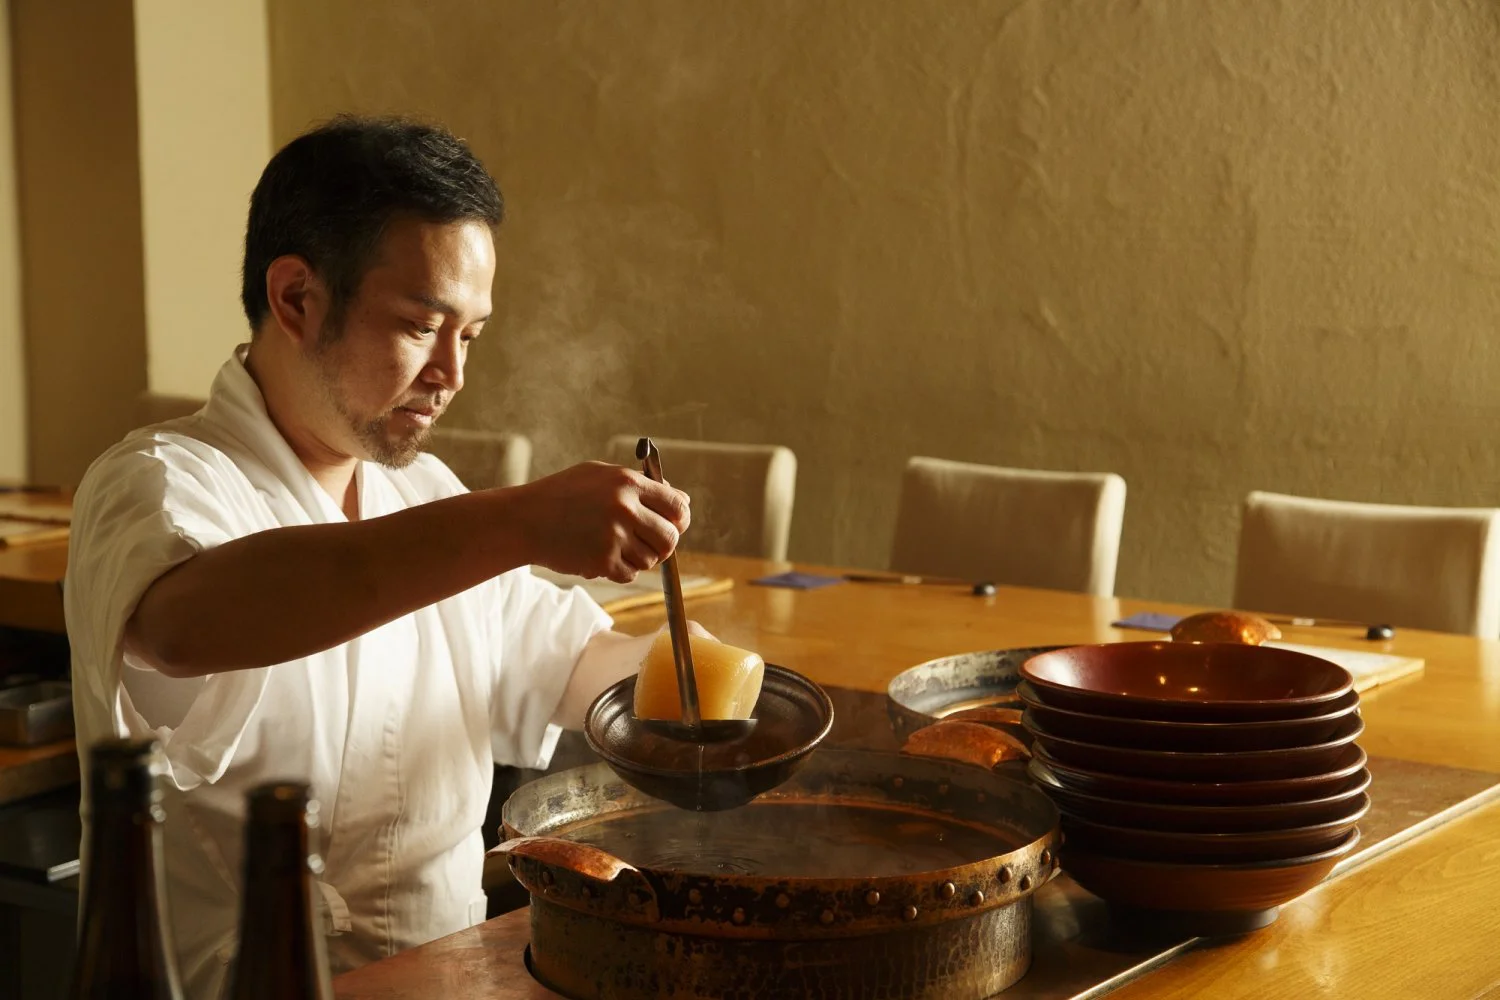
(297, 297)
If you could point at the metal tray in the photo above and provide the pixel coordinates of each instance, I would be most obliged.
(36, 713)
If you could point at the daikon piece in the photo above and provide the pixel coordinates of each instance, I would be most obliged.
(728, 678)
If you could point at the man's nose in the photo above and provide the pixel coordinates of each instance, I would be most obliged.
(446, 366)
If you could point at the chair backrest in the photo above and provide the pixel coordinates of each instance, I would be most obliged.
(1423, 567)
(1059, 530)
(483, 460)
(480, 459)
(743, 494)
(155, 408)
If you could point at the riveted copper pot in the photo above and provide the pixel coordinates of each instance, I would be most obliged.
(866, 875)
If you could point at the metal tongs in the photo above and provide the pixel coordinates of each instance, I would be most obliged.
(693, 728)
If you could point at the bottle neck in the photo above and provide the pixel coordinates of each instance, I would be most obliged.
(279, 875)
(124, 945)
(124, 852)
(281, 950)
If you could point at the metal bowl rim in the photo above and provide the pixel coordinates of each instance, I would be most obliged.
(1019, 858)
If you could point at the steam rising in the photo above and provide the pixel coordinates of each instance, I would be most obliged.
(588, 343)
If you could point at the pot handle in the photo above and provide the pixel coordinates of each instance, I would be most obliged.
(537, 863)
(581, 859)
(966, 741)
(1004, 718)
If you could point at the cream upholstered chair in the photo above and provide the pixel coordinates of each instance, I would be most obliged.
(743, 494)
(154, 407)
(1059, 530)
(483, 460)
(480, 459)
(1424, 567)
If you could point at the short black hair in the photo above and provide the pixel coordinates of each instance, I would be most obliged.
(328, 195)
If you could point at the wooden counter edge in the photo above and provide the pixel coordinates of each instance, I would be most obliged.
(27, 771)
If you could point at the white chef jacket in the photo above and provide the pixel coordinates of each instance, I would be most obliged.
(397, 730)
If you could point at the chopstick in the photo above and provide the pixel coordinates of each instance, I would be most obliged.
(1317, 622)
(906, 579)
(1374, 632)
(983, 588)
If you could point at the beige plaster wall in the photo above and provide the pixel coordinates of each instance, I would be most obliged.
(1209, 246)
(205, 126)
(12, 354)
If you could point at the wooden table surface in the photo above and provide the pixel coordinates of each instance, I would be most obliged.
(31, 574)
(31, 586)
(1419, 921)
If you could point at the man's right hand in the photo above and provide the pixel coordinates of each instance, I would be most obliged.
(604, 520)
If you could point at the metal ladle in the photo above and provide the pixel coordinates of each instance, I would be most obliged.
(693, 728)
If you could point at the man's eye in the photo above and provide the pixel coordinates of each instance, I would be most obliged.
(426, 331)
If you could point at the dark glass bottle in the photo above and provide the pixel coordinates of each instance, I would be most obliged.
(281, 953)
(124, 945)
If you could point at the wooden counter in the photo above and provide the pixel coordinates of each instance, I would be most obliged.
(31, 598)
(26, 771)
(1419, 921)
(31, 586)
(31, 574)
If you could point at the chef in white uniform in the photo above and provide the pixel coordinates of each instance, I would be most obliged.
(283, 586)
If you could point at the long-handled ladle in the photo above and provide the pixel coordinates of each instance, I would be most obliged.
(693, 728)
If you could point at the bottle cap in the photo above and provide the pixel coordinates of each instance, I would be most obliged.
(125, 771)
(282, 800)
(287, 806)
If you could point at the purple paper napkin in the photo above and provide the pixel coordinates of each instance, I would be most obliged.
(1149, 621)
(798, 581)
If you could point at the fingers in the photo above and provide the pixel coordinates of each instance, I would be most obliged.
(638, 556)
(620, 573)
(611, 521)
(658, 535)
(671, 504)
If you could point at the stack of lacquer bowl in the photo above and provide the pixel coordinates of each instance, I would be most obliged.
(1205, 783)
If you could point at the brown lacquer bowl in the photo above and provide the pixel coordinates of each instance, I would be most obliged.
(1187, 682)
(1201, 898)
(1213, 848)
(1150, 814)
(1245, 765)
(1154, 734)
(1350, 761)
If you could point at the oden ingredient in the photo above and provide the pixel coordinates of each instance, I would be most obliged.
(728, 680)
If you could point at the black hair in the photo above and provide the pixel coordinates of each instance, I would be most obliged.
(328, 195)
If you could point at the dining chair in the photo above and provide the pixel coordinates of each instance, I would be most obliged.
(1434, 568)
(743, 494)
(480, 459)
(483, 460)
(156, 407)
(1025, 527)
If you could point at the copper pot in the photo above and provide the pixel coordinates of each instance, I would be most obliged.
(867, 874)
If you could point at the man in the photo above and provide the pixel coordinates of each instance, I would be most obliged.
(282, 585)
